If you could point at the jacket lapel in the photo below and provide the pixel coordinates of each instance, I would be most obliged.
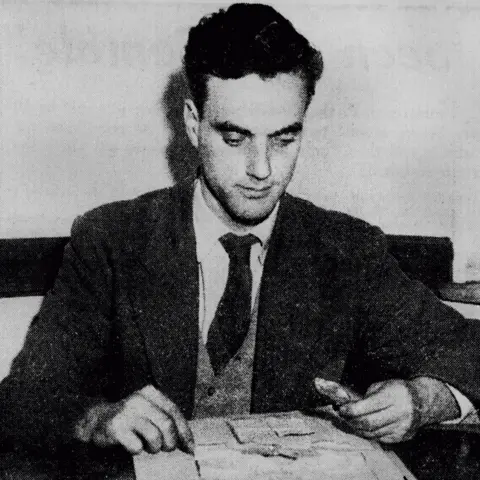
(166, 297)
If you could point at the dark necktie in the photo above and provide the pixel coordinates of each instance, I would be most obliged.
(232, 318)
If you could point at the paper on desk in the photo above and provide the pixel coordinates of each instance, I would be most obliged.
(327, 453)
(270, 428)
(289, 425)
(290, 429)
(213, 431)
(174, 465)
(252, 430)
(221, 463)
(266, 429)
(225, 464)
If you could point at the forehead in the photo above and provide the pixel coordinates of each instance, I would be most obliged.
(257, 104)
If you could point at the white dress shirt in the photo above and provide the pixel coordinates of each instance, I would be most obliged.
(213, 260)
(213, 264)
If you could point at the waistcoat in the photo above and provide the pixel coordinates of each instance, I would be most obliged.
(230, 392)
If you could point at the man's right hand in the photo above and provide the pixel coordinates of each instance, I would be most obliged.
(146, 420)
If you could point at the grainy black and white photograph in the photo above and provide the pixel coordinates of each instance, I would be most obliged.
(239, 240)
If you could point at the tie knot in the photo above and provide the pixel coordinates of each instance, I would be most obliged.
(238, 246)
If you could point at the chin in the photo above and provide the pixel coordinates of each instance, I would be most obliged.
(249, 219)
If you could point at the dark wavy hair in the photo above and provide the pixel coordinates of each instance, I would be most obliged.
(246, 39)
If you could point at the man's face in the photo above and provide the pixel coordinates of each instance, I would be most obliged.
(248, 140)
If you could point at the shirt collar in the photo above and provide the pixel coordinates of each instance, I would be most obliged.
(209, 228)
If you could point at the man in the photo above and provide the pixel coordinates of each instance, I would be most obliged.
(224, 294)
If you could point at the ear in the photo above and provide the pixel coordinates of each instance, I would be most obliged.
(191, 118)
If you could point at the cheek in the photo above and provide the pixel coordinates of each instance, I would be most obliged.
(220, 159)
(283, 164)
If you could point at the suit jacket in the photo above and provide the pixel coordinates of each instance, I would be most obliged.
(123, 313)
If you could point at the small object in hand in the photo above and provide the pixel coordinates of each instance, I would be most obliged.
(338, 394)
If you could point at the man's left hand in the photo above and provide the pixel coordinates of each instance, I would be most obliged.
(386, 413)
(393, 411)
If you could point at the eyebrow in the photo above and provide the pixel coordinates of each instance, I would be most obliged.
(293, 128)
(231, 127)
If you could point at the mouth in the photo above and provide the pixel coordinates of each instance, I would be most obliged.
(254, 192)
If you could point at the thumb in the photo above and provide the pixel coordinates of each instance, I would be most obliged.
(374, 388)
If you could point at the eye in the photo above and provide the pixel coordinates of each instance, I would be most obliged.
(233, 139)
(284, 140)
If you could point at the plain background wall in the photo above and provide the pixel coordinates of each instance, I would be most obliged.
(393, 132)
(90, 100)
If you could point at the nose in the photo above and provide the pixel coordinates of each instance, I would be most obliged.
(258, 160)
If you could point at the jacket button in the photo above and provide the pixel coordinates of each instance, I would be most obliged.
(210, 391)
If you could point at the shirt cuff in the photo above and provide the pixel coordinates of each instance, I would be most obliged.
(465, 405)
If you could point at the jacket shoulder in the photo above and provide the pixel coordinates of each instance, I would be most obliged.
(117, 220)
(347, 234)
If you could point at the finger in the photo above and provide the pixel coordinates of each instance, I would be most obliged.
(337, 393)
(395, 437)
(130, 441)
(166, 425)
(390, 439)
(331, 390)
(171, 437)
(376, 420)
(184, 432)
(185, 435)
(152, 437)
(390, 433)
(379, 433)
(141, 407)
(374, 387)
(162, 412)
(371, 404)
(117, 432)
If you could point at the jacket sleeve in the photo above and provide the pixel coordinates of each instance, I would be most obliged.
(406, 331)
(55, 377)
